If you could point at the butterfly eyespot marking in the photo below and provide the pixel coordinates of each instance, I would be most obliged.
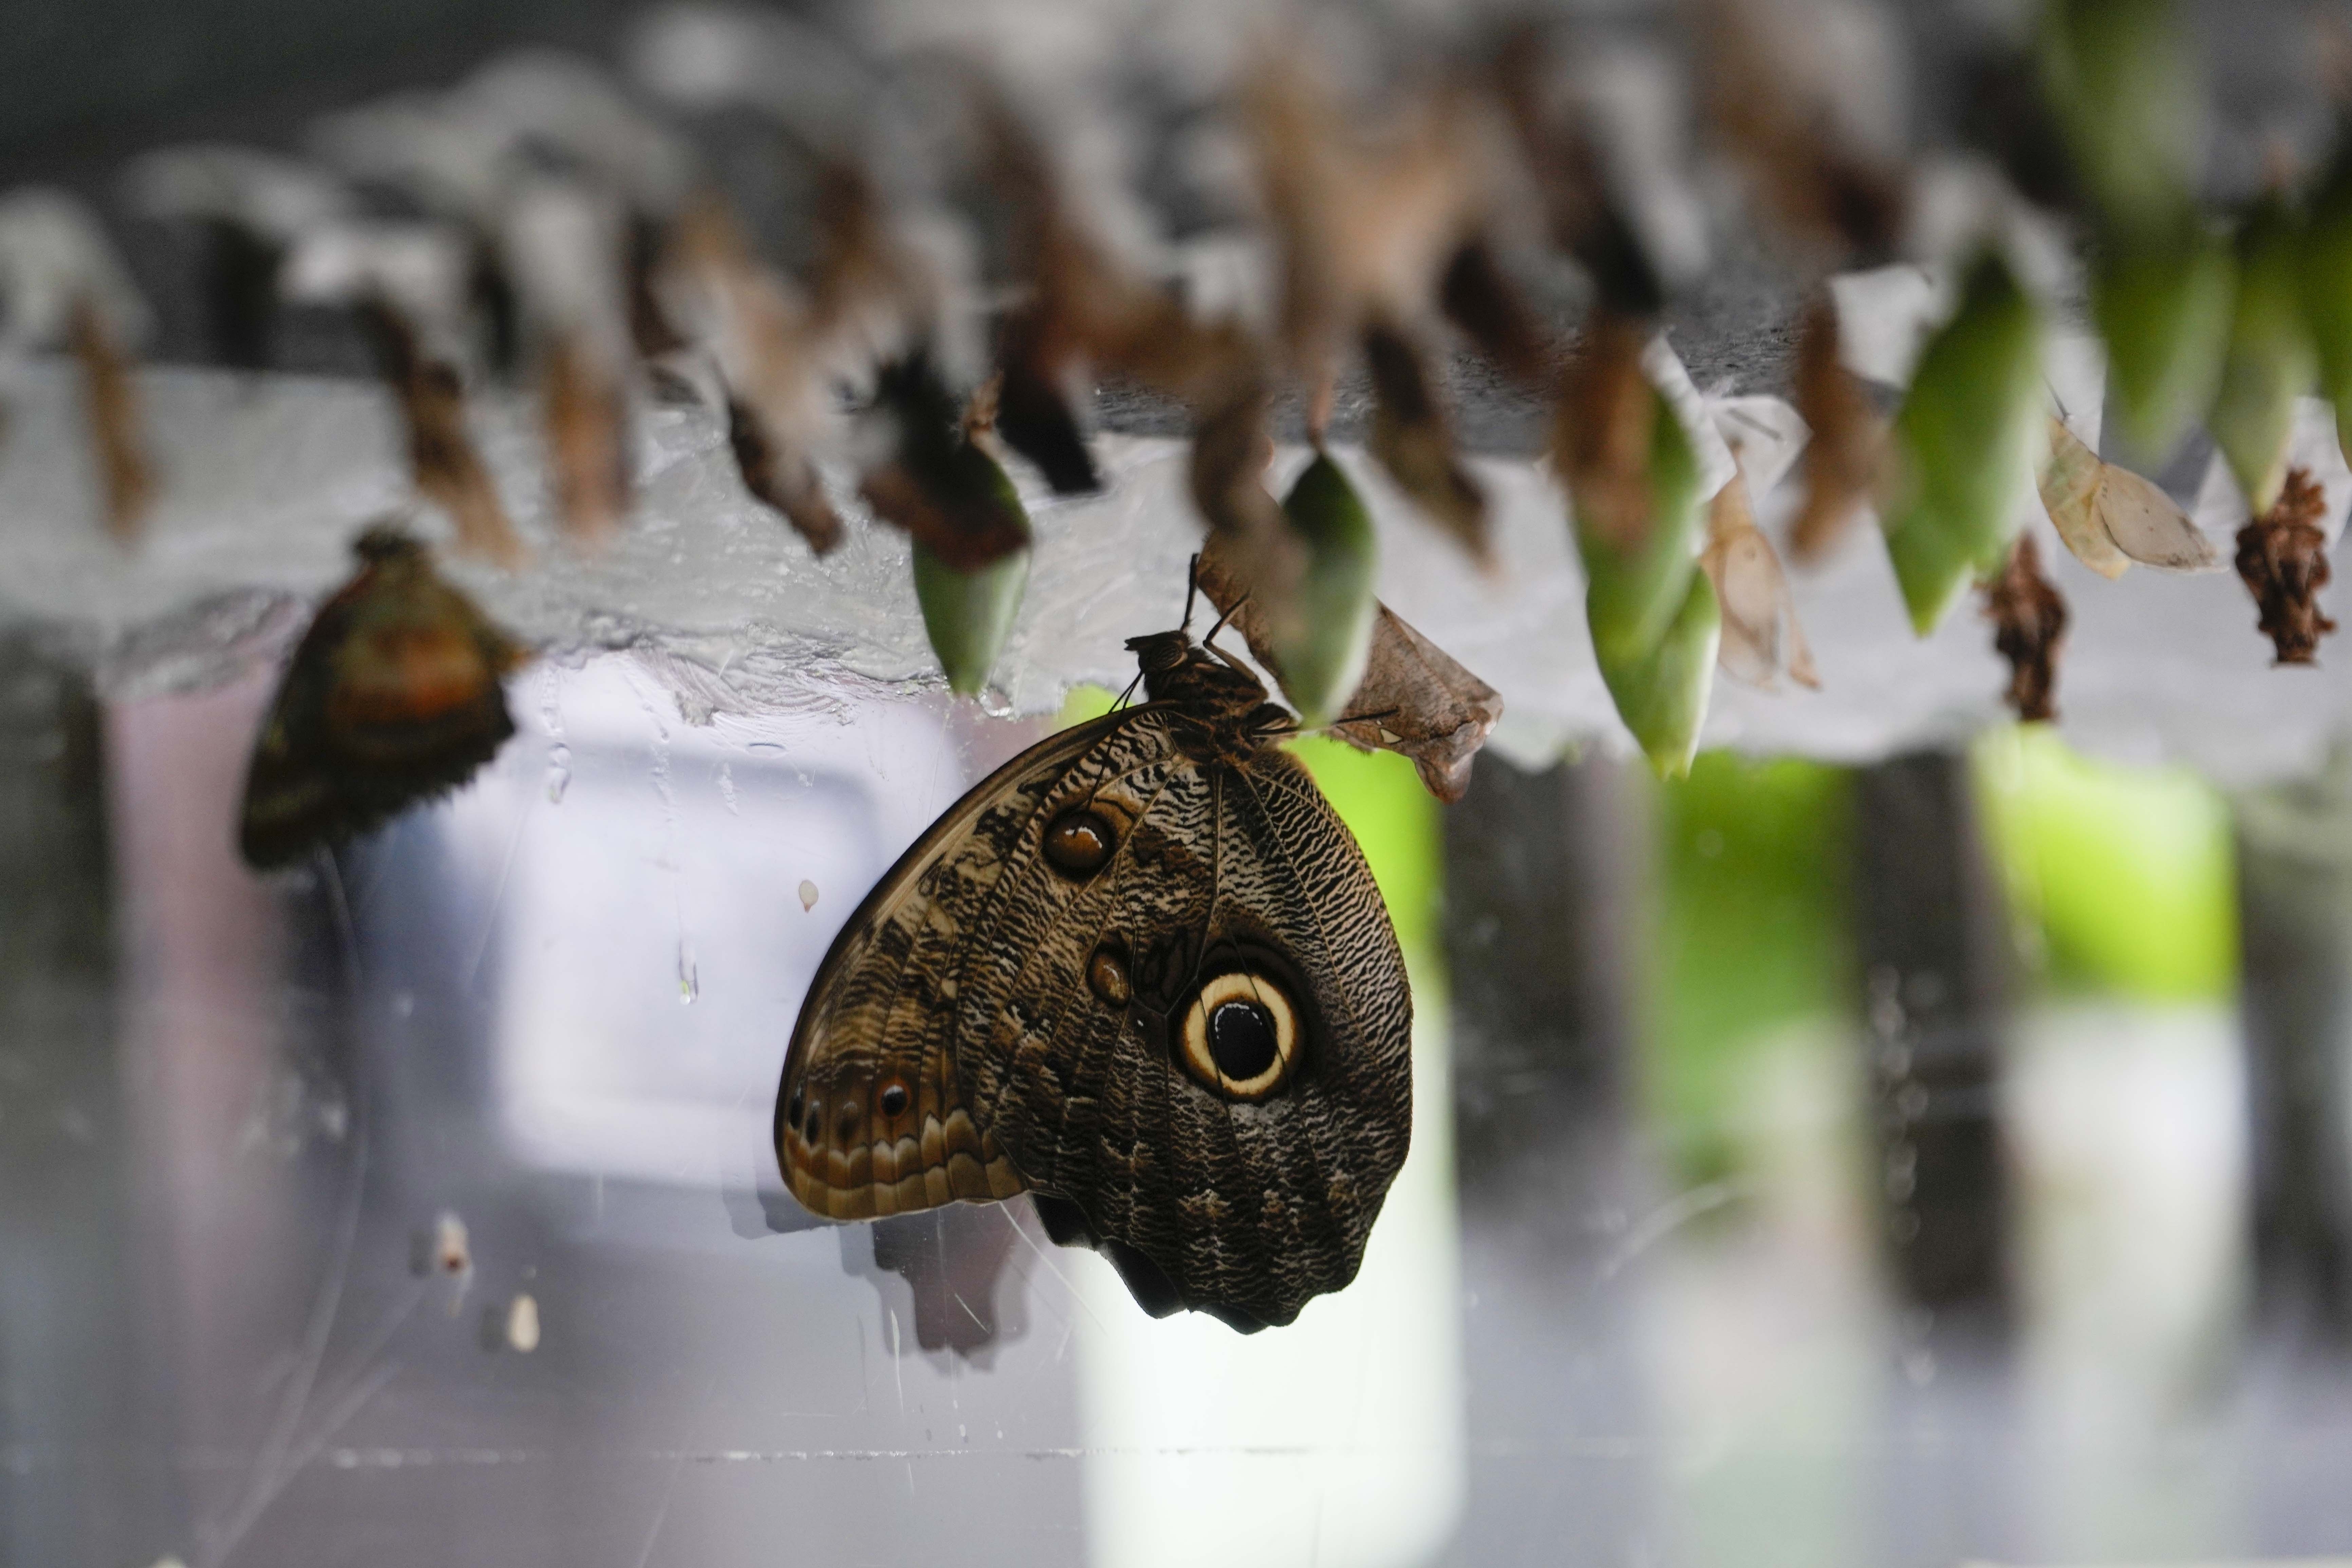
(1106, 976)
(893, 1099)
(793, 1108)
(1079, 841)
(1241, 1036)
(848, 1121)
(813, 1128)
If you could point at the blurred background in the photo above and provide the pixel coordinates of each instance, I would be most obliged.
(1944, 1159)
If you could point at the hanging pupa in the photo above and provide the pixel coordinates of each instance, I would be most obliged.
(945, 487)
(1633, 481)
(2272, 360)
(1963, 443)
(1321, 660)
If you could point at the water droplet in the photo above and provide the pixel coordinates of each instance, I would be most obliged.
(559, 772)
(808, 894)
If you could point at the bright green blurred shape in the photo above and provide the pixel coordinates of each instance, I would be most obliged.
(2127, 873)
(1752, 928)
(1380, 797)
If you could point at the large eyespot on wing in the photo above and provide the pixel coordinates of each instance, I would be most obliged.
(871, 1115)
(1241, 1036)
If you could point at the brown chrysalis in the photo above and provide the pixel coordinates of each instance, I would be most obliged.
(2029, 618)
(392, 696)
(2282, 558)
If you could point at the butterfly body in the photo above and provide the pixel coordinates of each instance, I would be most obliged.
(1143, 973)
(392, 695)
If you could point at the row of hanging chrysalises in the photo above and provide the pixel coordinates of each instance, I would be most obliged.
(978, 252)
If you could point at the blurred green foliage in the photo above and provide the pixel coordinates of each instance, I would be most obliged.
(1752, 928)
(2121, 879)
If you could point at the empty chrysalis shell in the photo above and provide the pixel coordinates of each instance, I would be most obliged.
(2110, 517)
(1323, 662)
(968, 615)
(2271, 360)
(1662, 694)
(1963, 443)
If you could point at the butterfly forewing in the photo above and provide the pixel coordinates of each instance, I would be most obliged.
(872, 1118)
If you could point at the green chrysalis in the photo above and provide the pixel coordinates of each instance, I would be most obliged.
(1662, 694)
(968, 615)
(1638, 588)
(1963, 443)
(2272, 359)
(1322, 663)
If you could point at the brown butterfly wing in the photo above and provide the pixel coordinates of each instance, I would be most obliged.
(880, 1014)
(1244, 1209)
(393, 696)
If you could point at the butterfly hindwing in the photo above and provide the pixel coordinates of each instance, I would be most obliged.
(1223, 873)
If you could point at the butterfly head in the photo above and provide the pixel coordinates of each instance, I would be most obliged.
(1209, 685)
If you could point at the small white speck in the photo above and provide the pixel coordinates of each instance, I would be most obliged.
(522, 1323)
(808, 894)
(452, 1252)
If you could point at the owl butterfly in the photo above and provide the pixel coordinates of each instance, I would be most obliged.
(1142, 972)
(392, 696)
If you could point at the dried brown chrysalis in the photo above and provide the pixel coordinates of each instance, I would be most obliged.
(126, 478)
(1843, 459)
(448, 471)
(2028, 618)
(587, 414)
(2282, 557)
(392, 696)
(1600, 431)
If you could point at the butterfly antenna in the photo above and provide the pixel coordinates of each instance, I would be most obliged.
(1228, 615)
(1128, 692)
(1192, 591)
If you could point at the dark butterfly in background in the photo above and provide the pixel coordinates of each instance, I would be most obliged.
(392, 696)
(1142, 972)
